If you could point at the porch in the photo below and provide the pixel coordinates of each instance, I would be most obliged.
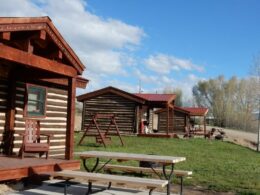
(16, 168)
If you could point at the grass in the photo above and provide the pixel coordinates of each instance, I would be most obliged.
(216, 165)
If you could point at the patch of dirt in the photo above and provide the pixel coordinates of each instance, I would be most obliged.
(243, 138)
(198, 190)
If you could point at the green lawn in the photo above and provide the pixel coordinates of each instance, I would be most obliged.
(216, 165)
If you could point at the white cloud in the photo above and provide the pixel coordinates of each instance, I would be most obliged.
(106, 46)
(19, 8)
(102, 44)
(164, 64)
(145, 78)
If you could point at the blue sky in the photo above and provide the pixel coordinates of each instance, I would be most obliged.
(158, 43)
(220, 35)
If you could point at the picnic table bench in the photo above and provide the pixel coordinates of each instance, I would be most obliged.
(150, 184)
(157, 171)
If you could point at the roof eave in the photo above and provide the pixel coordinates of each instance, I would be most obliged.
(45, 19)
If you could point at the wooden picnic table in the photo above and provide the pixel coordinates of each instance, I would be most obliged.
(119, 156)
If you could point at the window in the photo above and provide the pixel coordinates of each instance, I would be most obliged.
(36, 100)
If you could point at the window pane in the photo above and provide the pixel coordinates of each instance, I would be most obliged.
(32, 106)
(33, 96)
(36, 101)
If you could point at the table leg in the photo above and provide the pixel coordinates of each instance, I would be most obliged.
(89, 188)
(168, 177)
(94, 167)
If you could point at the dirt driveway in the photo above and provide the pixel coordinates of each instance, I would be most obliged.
(242, 138)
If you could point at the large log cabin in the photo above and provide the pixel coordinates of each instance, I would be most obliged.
(39, 74)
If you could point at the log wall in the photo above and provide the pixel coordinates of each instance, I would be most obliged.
(176, 121)
(162, 122)
(54, 123)
(179, 121)
(3, 103)
(110, 103)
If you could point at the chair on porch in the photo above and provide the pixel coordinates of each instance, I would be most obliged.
(32, 140)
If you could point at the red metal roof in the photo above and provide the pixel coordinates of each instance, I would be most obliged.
(195, 111)
(157, 97)
(181, 109)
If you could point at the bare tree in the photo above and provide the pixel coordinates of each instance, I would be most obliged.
(177, 92)
(255, 73)
(229, 101)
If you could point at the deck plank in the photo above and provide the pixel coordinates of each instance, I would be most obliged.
(17, 168)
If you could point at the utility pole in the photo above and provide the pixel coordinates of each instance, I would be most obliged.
(140, 87)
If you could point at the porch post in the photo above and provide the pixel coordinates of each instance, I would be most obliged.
(70, 118)
(172, 118)
(204, 124)
(10, 116)
(137, 119)
(167, 120)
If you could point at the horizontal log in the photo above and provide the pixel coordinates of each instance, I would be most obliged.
(57, 103)
(56, 115)
(3, 103)
(59, 109)
(52, 139)
(19, 98)
(42, 126)
(56, 97)
(42, 120)
(118, 117)
(121, 121)
(116, 112)
(57, 91)
(47, 114)
(3, 109)
(3, 96)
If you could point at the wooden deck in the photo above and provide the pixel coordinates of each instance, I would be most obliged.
(17, 168)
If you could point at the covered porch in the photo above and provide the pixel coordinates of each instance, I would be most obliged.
(149, 124)
(200, 114)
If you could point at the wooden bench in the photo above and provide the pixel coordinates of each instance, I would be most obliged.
(150, 184)
(178, 173)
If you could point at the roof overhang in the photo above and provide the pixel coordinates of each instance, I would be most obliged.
(110, 89)
(44, 24)
(81, 82)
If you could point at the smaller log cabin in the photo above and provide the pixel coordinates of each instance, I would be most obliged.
(39, 73)
(111, 100)
(153, 103)
(179, 118)
(199, 112)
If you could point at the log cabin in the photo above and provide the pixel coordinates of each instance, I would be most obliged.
(111, 100)
(198, 112)
(153, 103)
(179, 118)
(39, 74)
